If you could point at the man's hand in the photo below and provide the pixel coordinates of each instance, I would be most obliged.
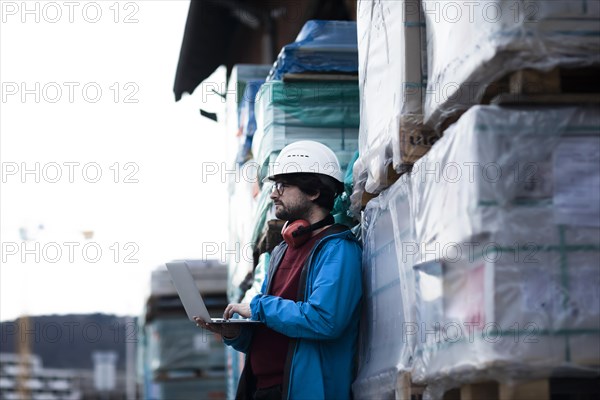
(242, 309)
(228, 331)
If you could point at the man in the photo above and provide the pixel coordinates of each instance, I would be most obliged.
(311, 296)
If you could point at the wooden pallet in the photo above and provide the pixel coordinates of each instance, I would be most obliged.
(559, 86)
(391, 177)
(542, 389)
(407, 390)
(415, 140)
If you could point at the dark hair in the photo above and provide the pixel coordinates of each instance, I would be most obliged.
(311, 184)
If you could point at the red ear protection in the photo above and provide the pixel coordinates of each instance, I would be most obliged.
(300, 228)
(296, 233)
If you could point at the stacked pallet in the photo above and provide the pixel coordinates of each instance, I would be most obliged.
(310, 93)
(392, 79)
(470, 47)
(506, 209)
(244, 82)
(384, 353)
(176, 359)
(496, 229)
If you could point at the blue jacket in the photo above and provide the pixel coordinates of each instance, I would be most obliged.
(322, 324)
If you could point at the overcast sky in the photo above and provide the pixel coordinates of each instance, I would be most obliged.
(87, 101)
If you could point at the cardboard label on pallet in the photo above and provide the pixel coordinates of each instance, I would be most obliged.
(415, 139)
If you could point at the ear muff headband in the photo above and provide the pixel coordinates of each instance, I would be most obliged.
(295, 233)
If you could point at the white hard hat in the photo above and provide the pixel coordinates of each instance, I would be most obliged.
(306, 156)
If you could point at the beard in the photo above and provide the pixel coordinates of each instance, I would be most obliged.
(292, 212)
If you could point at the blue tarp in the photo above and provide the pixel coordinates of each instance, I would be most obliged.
(320, 46)
(247, 119)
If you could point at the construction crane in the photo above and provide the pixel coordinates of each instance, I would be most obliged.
(24, 351)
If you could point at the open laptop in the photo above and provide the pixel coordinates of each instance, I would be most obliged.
(190, 295)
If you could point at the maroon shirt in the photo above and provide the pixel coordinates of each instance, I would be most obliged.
(268, 350)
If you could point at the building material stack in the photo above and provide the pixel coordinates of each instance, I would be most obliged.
(507, 214)
(241, 172)
(244, 82)
(392, 78)
(499, 237)
(472, 46)
(310, 94)
(385, 353)
(321, 47)
(176, 359)
(242, 76)
(322, 111)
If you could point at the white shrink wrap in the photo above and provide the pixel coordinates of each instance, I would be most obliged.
(506, 209)
(243, 185)
(391, 36)
(326, 112)
(384, 351)
(359, 178)
(470, 44)
(503, 168)
(241, 76)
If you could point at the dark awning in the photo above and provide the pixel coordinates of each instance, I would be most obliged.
(208, 33)
(228, 32)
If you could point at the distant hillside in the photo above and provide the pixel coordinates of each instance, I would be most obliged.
(67, 341)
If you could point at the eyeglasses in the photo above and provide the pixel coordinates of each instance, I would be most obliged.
(279, 187)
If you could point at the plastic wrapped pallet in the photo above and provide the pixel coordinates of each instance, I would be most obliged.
(341, 207)
(198, 388)
(325, 112)
(496, 164)
(240, 75)
(359, 175)
(178, 344)
(392, 76)
(471, 44)
(384, 352)
(507, 220)
(235, 365)
(411, 143)
(264, 212)
(247, 120)
(209, 275)
(321, 46)
(242, 213)
(259, 274)
(238, 80)
(308, 104)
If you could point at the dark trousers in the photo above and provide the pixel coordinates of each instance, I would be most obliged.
(270, 393)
